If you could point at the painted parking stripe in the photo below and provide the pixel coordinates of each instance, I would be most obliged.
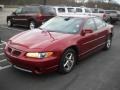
(5, 67)
(3, 60)
(1, 48)
(10, 28)
(1, 54)
(3, 42)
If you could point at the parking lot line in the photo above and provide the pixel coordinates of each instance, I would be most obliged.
(3, 60)
(9, 28)
(1, 54)
(8, 66)
(3, 42)
(1, 48)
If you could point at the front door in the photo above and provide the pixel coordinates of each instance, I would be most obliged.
(88, 41)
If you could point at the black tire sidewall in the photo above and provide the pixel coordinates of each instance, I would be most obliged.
(11, 24)
(61, 66)
(105, 47)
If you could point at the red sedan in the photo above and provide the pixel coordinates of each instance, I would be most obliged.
(58, 44)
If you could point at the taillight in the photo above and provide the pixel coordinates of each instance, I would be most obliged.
(39, 16)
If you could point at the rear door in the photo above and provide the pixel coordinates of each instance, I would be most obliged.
(101, 32)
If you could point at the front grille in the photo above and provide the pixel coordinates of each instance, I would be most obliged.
(9, 50)
(14, 52)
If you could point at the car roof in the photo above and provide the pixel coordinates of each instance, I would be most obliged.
(77, 16)
(37, 5)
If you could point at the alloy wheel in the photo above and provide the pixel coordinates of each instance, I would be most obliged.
(69, 61)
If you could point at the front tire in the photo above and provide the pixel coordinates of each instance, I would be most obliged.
(68, 61)
(32, 25)
(9, 23)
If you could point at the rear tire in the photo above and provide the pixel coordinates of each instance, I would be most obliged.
(108, 43)
(68, 61)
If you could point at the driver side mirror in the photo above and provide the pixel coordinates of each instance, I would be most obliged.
(86, 31)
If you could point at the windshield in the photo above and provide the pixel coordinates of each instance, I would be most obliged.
(63, 25)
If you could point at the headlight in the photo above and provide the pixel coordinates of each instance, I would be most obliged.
(39, 55)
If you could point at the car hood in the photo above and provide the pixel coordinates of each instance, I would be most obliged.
(37, 38)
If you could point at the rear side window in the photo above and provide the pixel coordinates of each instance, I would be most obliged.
(87, 11)
(46, 10)
(70, 9)
(95, 10)
(61, 10)
(99, 23)
(78, 10)
(31, 9)
(90, 25)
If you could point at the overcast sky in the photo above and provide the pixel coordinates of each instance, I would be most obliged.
(118, 1)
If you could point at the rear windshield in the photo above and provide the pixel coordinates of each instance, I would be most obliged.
(111, 12)
(31, 9)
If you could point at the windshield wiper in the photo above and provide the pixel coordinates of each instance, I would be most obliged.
(40, 28)
(43, 30)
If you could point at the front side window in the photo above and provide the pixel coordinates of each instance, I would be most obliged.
(90, 25)
(63, 25)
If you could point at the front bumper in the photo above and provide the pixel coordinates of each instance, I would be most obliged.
(32, 64)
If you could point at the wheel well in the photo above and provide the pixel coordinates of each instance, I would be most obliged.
(111, 35)
(74, 48)
(31, 20)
